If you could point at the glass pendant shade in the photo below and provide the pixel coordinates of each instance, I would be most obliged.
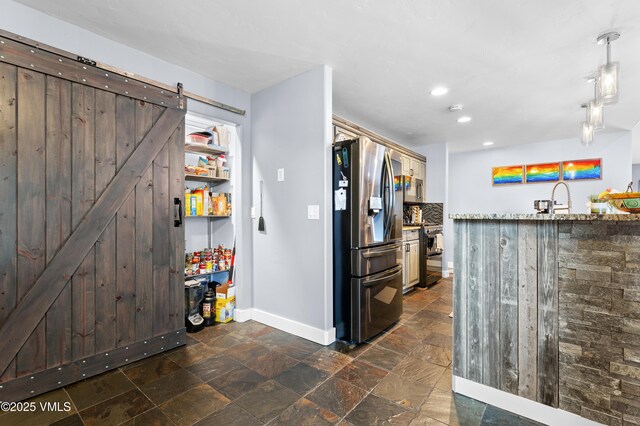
(586, 136)
(608, 83)
(595, 114)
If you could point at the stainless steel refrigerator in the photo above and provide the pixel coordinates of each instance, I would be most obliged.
(367, 239)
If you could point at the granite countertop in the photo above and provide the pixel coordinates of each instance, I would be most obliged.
(535, 216)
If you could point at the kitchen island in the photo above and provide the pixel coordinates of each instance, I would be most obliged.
(547, 307)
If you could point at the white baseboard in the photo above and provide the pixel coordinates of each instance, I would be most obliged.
(242, 315)
(323, 337)
(518, 405)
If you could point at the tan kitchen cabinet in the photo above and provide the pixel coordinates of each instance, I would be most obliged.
(415, 168)
(422, 174)
(414, 262)
(419, 169)
(411, 259)
(406, 165)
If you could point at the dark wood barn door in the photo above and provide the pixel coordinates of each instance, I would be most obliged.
(91, 267)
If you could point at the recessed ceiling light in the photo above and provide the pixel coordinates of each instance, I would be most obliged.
(488, 143)
(439, 91)
(464, 119)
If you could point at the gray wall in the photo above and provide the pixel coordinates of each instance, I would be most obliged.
(437, 183)
(30, 23)
(635, 144)
(437, 164)
(292, 259)
(470, 189)
(635, 177)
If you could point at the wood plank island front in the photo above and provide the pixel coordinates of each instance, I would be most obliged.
(547, 307)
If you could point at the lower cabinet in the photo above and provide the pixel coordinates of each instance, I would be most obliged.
(411, 267)
(414, 262)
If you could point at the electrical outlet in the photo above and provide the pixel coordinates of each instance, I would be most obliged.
(313, 212)
(280, 175)
(253, 212)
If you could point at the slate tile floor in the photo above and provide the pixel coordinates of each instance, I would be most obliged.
(251, 374)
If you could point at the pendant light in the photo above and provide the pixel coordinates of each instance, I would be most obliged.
(608, 73)
(595, 108)
(595, 114)
(586, 136)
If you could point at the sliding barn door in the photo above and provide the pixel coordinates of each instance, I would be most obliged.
(91, 261)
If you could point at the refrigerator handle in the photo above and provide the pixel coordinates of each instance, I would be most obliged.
(383, 277)
(392, 198)
(379, 252)
(385, 199)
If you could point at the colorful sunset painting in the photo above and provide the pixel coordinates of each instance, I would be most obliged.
(507, 175)
(582, 169)
(547, 172)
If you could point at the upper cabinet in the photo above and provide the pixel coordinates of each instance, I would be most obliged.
(418, 168)
(406, 165)
(422, 170)
(414, 167)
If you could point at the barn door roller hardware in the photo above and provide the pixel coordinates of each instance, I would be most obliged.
(62, 54)
(180, 96)
(86, 61)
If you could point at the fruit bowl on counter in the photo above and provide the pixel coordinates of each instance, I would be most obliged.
(625, 201)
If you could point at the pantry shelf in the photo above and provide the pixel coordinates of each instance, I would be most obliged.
(210, 216)
(199, 148)
(226, 271)
(188, 176)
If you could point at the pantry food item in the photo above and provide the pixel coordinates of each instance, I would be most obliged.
(200, 137)
(199, 193)
(196, 171)
(187, 202)
(222, 205)
(221, 135)
(207, 260)
(202, 202)
(225, 302)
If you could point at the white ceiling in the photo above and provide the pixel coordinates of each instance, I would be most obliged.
(517, 66)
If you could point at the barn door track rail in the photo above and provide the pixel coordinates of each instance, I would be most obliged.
(31, 54)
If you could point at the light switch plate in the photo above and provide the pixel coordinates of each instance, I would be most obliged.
(253, 212)
(280, 175)
(313, 212)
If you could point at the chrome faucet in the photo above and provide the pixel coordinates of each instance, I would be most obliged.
(566, 208)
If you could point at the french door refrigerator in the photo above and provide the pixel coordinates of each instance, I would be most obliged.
(367, 239)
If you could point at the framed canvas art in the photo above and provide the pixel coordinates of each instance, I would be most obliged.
(507, 175)
(582, 169)
(546, 172)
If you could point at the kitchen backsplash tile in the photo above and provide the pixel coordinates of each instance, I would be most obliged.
(406, 214)
(431, 213)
